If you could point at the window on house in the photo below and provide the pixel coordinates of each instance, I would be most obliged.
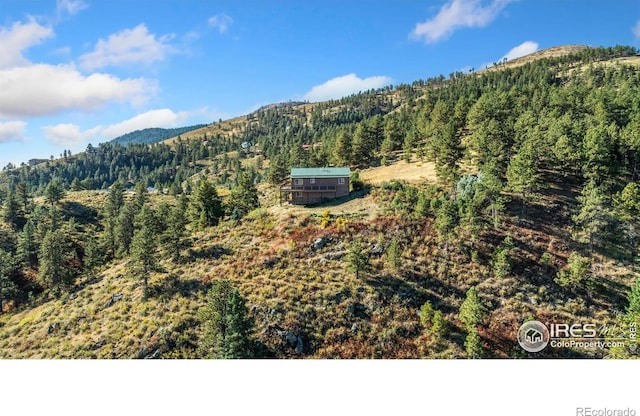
(298, 194)
(340, 181)
(312, 181)
(298, 181)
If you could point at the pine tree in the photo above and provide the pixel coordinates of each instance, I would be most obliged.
(27, 248)
(342, 151)
(54, 268)
(594, 215)
(522, 174)
(143, 247)
(11, 213)
(92, 255)
(227, 325)
(54, 192)
(174, 235)
(8, 289)
(125, 227)
(244, 196)
(471, 311)
(357, 259)
(627, 207)
(362, 145)
(206, 206)
(278, 171)
(473, 344)
(394, 255)
(115, 200)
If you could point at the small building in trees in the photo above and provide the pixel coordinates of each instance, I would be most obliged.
(315, 185)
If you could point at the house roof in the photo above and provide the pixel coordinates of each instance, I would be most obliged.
(320, 172)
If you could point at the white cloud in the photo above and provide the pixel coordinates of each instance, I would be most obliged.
(68, 134)
(456, 14)
(18, 38)
(525, 48)
(70, 6)
(636, 29)
(128, 46)
(72, 134)
(44, 89)
(221, 22)
(164, 118)
(12, 130)
(345, 85)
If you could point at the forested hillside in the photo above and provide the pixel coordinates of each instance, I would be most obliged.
(532, 212)
(152, 135)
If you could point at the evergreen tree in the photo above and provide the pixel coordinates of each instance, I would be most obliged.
(144, 258)
(227, 325)
(394, 255)
(54, 258)
(11, 213)
(444, 143)
(27, 248)
(174, 235)
(471, 311)
(473, 344)
(278, 171)
(54, 192)
(362, 146)
(125, 227)
(357, 259)
(93, 256)
(342, 151)
(8, 289)
(244, 196)
(115, 200)
(594, 215)
(522, 174)
(627, 207)
(206, 206)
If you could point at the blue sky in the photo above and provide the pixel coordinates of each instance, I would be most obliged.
(74, 72)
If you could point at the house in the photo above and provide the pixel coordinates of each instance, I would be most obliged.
(315, 185)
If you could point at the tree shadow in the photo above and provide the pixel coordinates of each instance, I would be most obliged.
(211, 252)
(172, 285)
(389, 286)
(81, 213)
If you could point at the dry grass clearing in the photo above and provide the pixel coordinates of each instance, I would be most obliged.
(401, 170)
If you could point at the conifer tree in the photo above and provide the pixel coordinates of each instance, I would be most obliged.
(54, 192)
(27, 248)
(226, 321)
(594, 215)
(206, 206)
(144, 258)
(471, 311)
(174, 235)
(8, 289)
(244, 196)
(54, 268)
(522, 174)
(473, 344)
(342, 151)
(358, 260)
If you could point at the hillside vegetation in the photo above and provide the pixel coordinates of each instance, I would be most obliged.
(481, 201)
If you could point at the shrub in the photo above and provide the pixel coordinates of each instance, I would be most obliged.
(577, 271)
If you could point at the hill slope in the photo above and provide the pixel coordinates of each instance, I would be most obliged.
(488, 200)
(152, 135)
